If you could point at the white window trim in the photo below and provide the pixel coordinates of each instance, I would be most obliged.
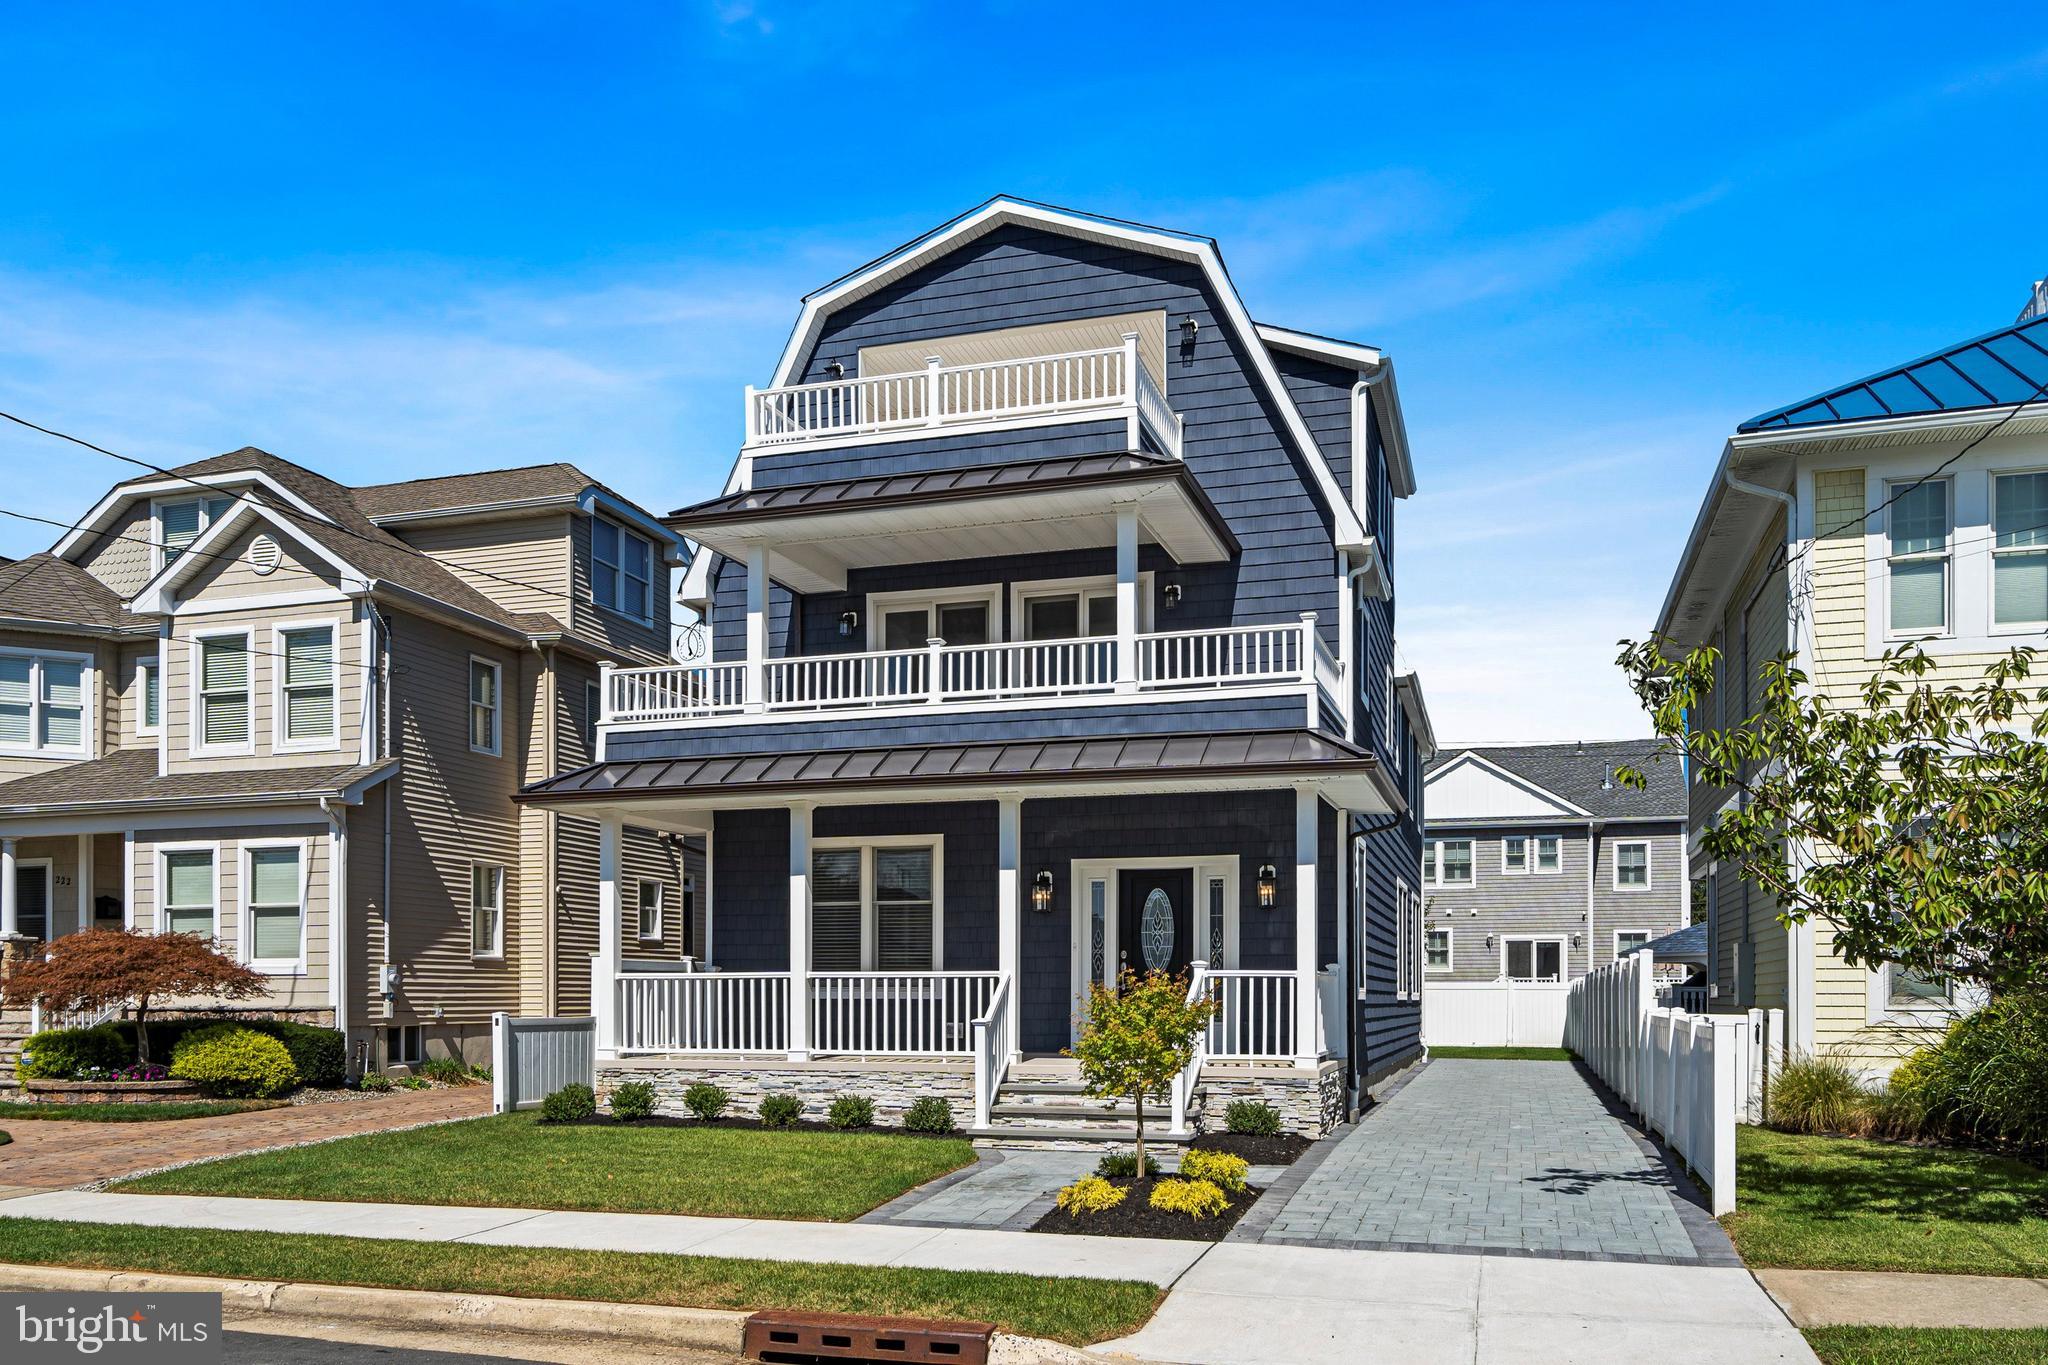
(655, 576)
(1433, 866)
(1648, 935)
(247, 946)
(1998, 627)
(278, 720)
(1536, 867)
(497, 745)
(1649, 866)
(195, 654)
(880, 604)
(1089, 585)
(1893, 489)
(148, 664)
(88, 693)
(496, 952)
(414, 1057)
(640, 908)
(593, 709)
(156, 521)
(1879, 1009)
(869, 912)
(1449, 932)
(210, 847)
(1563, 962)
(1528, 854)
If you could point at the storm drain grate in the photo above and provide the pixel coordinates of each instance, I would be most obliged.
(801, 1338)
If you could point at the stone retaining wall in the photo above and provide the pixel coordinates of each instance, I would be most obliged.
(1311, 1106)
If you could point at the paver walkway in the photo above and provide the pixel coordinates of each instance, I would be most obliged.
(57, 1153)
(1495, 1156)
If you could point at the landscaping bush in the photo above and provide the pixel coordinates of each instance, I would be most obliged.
(1124, 1164)
(851, 1111)
(1817, 1095)
(1089, 1194)
(1252, 1118)
(706, 1101)
(410, 1083)
(1220, 1169)
(60, 1054)
(932, 1114)
(781, 1111)
(632, 1100)
(567, 1105)
(237, 1062)
(376, 1082)
(445, 1071)
(319, 1055)
(1195, 1198)
(1987, 1079)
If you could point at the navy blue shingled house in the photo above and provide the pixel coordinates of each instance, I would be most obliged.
(1051, 623)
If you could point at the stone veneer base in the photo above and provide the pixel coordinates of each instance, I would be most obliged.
(110, 1092)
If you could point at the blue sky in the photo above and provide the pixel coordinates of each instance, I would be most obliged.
(396, 240)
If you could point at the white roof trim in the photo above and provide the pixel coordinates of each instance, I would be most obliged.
(594, 498)
(1409, 688)
(159, 595)
(1512, 778)
(107, 508)
(1350, 354)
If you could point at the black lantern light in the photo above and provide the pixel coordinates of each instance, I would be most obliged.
(1041, 892)
(1269, 886)
(849, 621)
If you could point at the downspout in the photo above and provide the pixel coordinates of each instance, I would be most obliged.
(549, 864)
(1593, 828)
(337, 914)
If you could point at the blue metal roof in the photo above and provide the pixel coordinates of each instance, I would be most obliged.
(1999, 368)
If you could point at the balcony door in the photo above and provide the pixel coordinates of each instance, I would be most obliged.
(908, 622)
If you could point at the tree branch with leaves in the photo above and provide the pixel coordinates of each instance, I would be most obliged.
(115, 968)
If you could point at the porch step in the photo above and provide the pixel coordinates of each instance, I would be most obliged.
(1069, 1137)
(1039, 1114)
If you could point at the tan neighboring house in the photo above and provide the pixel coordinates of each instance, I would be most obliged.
(1908, 506)
(244, 700)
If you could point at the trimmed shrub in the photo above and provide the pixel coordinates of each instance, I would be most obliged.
(1987, 1079)
(1817, 1095)
(931, 1114)
(376, 1082)
(411, 1083)
(445, 1071)
(1252, 1118)
(319, 1055)
(236, 1062)
(706, 1101)
(1089, 1194)
(632, 1100)
(1124, 1164)
(780, 1111)
(1195, 1198)
(1220, 1169)
(59, 1054)
(851, 1111)
(567, 1105)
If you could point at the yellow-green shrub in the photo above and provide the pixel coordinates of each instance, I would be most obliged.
(231, 1060)
(1195, 1198)
(1090, 1194)
(1220, 1169)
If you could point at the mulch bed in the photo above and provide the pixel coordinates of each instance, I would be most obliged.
(678, 1121)
(1136, 1217)
(1281, 1149)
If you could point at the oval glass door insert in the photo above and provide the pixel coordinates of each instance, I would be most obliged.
(1155, 930)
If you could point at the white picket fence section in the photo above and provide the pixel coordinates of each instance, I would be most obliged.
(1494, 1013)
(1690, 1077)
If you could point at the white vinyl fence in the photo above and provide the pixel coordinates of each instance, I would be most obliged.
(1493, 1013)
(1691, 1077)
(533, 1058)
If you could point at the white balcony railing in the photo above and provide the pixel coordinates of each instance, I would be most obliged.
(1283, 655)
(939, 395)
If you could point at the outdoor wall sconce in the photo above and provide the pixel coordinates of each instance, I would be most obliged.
(1172, 596)
(1575, 941)
(1041, 892)
(836, 369)
(1491, 943)
(1188, 328)
(849, 621)
(1269, 886)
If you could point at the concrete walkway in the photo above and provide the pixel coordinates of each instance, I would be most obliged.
(1872, 1298)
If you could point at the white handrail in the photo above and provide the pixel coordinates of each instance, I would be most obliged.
(1223, 656)
(674, 691)
(816, 681)
(1182, 1092)
(1254, 1019)
(897, 1014)
(991, 1051)
(703, 1011)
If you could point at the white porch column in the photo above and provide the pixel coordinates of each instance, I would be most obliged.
(83, 881)
(1009, 916)
(799, 930)
(1307, 831)
(757, 626)
(1126, 599)
(604, 980)
(10, 923)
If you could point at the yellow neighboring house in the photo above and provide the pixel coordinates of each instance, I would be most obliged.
(1911, 505)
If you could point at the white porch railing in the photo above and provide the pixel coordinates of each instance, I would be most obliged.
(703, 1012)
(40, 1019)
(1109, 379)
(1287, 654)
(898, 1014)
(991, 1029)
(1255, 1018)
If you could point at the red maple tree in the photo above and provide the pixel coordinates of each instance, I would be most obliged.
(98, 968)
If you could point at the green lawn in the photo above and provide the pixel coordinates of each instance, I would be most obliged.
(1505, 1054)
(1927, 1346)
(1075, 1311)
(514, 1160)
(140, 1112)
(1844, 1204)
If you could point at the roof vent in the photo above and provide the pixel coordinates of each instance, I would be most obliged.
(264, 556)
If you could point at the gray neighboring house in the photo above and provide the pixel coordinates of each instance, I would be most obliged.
(1539, 865)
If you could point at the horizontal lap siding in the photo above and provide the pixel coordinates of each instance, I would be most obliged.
(305, 992)
(521, 563)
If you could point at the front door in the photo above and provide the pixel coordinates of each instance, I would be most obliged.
(1155, 919)
(32, 899)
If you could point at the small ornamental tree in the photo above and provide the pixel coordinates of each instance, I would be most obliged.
(1138, 1038)
(101, 968)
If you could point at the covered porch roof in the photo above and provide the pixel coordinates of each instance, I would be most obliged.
(127, 782)
(815, 532)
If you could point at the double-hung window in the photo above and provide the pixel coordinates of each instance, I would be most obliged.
(622, 570)
(2019, 550)
(188, 892)
(1437, 950)
(1920, 527)
(649, 904)
(1447, 862)
(875, 907)
(485, 707)
(1627, 941)
(223, 694)
(149, 680)
(486, 910)
(181, 522)
(306, 714)
(276, 906)
(43, 703)
(1632, 865)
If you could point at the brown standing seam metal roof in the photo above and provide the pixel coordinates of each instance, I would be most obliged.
(995, 762)
(940, 485)
(129, 777)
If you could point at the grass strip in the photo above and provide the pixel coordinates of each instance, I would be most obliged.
(1827, 1203)
(1505, 1054)
(1075, 1311)
(141, 1111)
(513, 1160)
(1928, 1345)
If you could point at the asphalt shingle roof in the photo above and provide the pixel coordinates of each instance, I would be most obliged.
(1576, 772)
(129, 777)
(43, 587)
(479, 489)
(1684, 945)
(1999, 368)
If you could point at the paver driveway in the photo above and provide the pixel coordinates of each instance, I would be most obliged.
(1506, 1156)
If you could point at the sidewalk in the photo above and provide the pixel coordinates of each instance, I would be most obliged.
(1870, 1298)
